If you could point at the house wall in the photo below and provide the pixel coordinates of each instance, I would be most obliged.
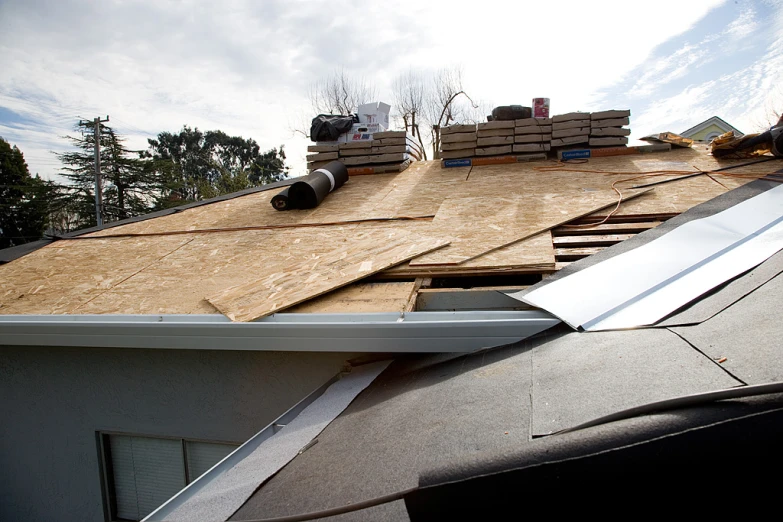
(54, 400)
(699, 136)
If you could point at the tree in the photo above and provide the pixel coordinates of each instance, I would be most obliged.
(339, 93)
(129, 187)
(197, 165)
(433, 100)
(26, 200)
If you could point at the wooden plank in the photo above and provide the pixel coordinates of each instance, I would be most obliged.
(565, 254)
(360, 298)
(479, 225)
(591, 240)
(418, 285)
(532, 255)
(606, 228)
(278, 290)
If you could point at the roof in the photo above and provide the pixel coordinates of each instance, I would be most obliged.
(173, 262)
(715, 120)
(438, 420)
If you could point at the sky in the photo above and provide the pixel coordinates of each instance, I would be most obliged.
(246, 67)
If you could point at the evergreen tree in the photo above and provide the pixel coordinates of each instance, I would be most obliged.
(25, 200)
(199, 165)
(129, 187)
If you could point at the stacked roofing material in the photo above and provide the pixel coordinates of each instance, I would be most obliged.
(570, 129)
(387, 151)
(458, 141)
(495, 138)
(532, 135)
(607, 128)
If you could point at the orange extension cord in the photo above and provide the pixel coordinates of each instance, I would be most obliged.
(566, 166)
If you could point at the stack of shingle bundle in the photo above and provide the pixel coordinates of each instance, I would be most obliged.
(387, 151)
(532, 135)
(570, 129)
(458, 141)
(606, 128)
(495, 138)
(323, 154)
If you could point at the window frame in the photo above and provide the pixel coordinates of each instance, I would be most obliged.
(108, 494)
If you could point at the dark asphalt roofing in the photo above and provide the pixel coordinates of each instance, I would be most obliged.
(487, 409)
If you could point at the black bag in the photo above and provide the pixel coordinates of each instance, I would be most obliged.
(328, 127)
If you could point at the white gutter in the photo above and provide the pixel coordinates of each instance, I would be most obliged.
(371, 332)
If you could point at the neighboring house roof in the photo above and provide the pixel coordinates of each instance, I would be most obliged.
(709, 129)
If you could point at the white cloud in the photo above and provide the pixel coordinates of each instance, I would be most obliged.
(244, 67)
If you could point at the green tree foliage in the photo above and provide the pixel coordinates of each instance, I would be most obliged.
(199, 165)
(25, 200)
(129, 185)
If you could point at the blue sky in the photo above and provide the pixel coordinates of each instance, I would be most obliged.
(245, 67)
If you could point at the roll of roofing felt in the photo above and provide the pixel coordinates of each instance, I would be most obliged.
(280, 201)
(311, 190)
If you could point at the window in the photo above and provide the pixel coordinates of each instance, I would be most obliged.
(141, 473)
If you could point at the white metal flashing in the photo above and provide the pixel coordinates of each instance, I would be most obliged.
(219, 492)
(642, 286)
(370, 332)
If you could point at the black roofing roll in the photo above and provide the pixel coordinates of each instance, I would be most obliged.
(280, 201)
(313, 188)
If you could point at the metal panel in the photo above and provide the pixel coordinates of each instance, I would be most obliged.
(643, 285)
(372, 332)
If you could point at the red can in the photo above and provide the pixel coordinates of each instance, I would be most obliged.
(541, 107)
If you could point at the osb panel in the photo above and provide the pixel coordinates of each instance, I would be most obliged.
(277, 290)
(533, 253)
(61, 277)
(359, 298)
(211, 263)
(481, 224)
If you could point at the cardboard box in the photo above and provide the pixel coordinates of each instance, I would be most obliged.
(361, 132)
(376, 112)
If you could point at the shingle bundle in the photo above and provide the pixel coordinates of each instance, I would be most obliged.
(532, 135)
(458, 141)
(494, 138)
(570, 129)
(606, 128)
(388, 151)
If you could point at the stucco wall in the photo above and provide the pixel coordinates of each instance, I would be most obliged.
(53, 400)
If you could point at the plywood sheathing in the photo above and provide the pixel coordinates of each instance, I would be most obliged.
(296, 283)
(170, 274)
(360, 298)
(62, 277)
(481, 224)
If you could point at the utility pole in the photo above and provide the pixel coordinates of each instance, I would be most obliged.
(97, 141)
